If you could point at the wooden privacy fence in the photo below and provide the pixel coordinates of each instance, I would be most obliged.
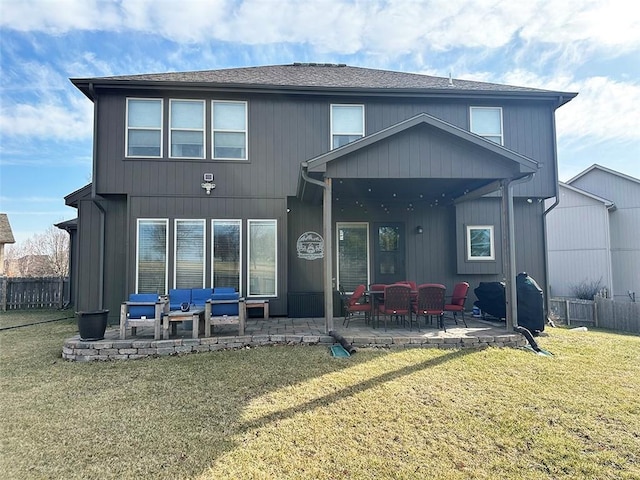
(601, 312)
(17, 293)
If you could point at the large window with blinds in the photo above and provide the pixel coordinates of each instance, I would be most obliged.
(189, 254)
(352, 255)
(226, 252)
(151, 256)
(263, 258)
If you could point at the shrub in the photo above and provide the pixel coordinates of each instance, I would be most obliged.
(587, 289)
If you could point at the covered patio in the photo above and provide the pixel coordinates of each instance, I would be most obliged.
(292, 331)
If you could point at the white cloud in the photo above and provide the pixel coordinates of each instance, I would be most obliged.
(379, 27)
(604, 110)
(63, 119)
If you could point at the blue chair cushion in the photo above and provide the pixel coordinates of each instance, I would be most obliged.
(199, 296)
(224, 290)
(178, 296)
(139, 311)
(225, 308)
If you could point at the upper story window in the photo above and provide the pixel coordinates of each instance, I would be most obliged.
(229, 130)
(187, 128)
(487, 122)
(347, 124)
(144, 127)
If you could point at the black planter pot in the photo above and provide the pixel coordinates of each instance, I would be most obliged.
(92, 325)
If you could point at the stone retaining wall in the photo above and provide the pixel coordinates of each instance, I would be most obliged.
(78, 350)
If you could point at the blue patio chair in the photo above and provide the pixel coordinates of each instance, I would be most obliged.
(142, 310)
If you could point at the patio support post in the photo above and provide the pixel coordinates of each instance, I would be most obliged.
(328, 255)
(509, 254)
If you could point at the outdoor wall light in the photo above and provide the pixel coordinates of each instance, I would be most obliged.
(419, 230)
(208, 184)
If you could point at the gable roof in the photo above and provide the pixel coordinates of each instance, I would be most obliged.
(318, 163)
(610, 205)
(595, 166)
(6, 235)
(309, 77)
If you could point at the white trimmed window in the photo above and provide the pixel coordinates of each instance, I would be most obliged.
(352, 255)
(487, 122)
(347, 124)
(186, 121)
(226, 251)
(189, 254)
(144, 127)
(229, 130)
(263, 258)
(151, 255)
(480, 243)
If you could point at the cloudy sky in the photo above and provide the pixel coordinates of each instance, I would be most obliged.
(587, 46)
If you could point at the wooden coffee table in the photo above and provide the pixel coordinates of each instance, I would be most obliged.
(195, 314)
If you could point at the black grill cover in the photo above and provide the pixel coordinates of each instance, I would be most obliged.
(491, 300)
(530, 303)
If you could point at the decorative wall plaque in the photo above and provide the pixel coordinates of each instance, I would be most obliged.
(310, 246)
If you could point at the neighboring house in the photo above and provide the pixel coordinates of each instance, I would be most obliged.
(287, 181)
(6, 236)
(592, 234)
(31, 265)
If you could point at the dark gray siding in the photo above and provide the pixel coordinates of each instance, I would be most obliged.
(479, 212)
(210, 208)
(421, 152)
(284, 131)
(89, 228)
(304, 275)
(91, 286)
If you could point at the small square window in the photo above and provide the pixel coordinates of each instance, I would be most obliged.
(347, 124)
(480, 244)
(487, 122)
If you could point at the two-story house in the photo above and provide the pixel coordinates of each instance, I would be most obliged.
(289, 181)
(592, 234)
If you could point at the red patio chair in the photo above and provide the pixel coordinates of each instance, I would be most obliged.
(456, 304)
(431, 303)
(353, 306)
(397, 303)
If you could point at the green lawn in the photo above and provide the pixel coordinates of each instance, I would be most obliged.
(296, 412)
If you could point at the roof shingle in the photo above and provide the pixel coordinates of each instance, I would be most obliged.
(315, 75)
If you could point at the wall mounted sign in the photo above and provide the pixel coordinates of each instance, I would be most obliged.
(310, 246)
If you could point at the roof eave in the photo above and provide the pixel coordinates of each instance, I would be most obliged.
(86, 84)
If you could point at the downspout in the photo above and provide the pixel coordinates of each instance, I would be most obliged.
(326, 224)
(547, 296)
(509, 258)
(97, 203)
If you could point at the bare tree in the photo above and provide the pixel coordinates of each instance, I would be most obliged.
(43, 255)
